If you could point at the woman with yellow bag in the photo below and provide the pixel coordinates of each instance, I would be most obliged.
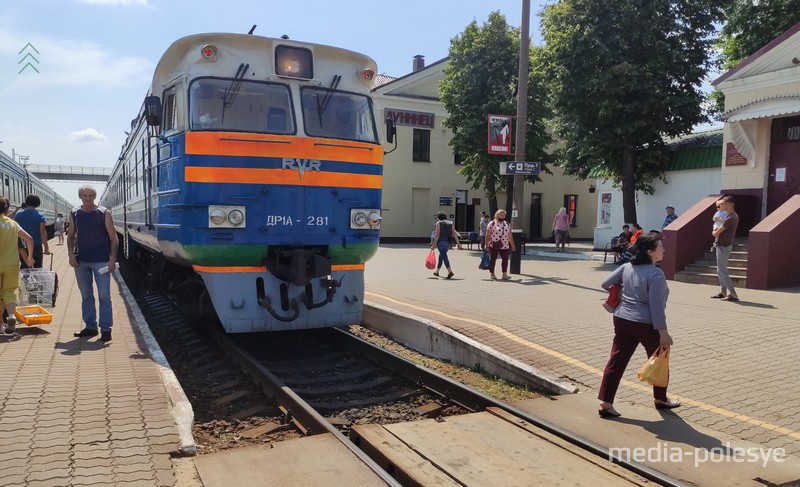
(640, 317)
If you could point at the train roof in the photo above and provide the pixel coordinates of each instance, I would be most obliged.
(184, 57)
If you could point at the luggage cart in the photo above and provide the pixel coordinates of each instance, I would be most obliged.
(38, 290)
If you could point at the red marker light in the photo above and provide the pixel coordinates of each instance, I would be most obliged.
(209, 52)
(368, 74)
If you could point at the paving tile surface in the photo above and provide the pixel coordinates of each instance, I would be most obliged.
(76, 411)
(732, 363)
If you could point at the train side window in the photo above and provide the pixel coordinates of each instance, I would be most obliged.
(170, 121)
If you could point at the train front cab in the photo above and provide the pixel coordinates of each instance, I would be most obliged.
(313, 282)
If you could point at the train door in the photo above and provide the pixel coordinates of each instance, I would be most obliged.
(145, 168)
(124, 181)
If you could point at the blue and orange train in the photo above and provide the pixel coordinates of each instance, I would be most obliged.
(257, 162)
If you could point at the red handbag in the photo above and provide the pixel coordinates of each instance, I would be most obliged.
(614, 297)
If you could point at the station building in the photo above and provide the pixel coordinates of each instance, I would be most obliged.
(420, 177)
(760, 167)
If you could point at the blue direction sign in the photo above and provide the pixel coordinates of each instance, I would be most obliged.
(523, 168)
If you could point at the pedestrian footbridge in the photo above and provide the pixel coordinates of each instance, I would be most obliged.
(52, 172)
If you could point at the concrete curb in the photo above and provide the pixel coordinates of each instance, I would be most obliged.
(438, 341)
(182, 410)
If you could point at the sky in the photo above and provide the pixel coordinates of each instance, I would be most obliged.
(95, 58)
(70, 103)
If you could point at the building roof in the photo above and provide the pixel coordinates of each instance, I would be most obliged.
(749, 59)
(702, 138)
(380, 80)
(698, 150)
(413, 73)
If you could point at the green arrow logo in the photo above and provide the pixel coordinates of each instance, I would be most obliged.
(28, 55)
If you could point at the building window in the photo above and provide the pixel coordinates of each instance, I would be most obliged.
(422, 146)
(786, 130)
(571, 204)
(457, 159)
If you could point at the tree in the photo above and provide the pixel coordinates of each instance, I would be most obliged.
(625, 75)
(481, 79)
(749, 26)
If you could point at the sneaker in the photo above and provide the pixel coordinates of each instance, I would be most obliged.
(493, 277)
(105, 336)
(506, 277)
(86, 332)
(11, 325)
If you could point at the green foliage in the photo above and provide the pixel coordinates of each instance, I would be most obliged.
(749, 26)
(481, 79)
(624, 76)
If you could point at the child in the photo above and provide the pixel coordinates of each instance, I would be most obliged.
(718, 218)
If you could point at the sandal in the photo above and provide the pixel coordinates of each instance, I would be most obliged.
(718, 296)
(668, 404)
(730, 298)
(608, 412)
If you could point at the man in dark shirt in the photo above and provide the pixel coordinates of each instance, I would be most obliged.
(623, 240)
(724, 235)
(33, 222)
(92, 244)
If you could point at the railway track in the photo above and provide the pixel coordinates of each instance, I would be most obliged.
(261, 388)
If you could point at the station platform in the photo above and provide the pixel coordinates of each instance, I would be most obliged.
(77, 411)
(731, 365)
(81, 412)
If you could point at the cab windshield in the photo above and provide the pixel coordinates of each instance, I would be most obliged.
(337, 114)
(240, 106)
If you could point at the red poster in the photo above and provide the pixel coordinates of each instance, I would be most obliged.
(499, 134)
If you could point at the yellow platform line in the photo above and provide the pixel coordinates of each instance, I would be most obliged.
(594, 370)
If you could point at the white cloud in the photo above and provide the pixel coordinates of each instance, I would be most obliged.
(88, 135)
(70, 62)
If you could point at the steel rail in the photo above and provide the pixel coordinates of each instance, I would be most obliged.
(477, 401)
(301, 414)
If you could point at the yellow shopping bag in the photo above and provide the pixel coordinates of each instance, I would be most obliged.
(656, 370)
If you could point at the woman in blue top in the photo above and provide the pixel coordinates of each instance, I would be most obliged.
(639, 318)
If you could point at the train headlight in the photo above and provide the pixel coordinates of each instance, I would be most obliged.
(216, 216)
(359, 219)
(365, 219)
(226, 216)
(294, 62)
(235, 218)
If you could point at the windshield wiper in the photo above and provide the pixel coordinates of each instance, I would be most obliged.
(321, 107)
(232, 90)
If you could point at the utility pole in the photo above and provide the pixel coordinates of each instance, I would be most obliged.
(519, 141)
